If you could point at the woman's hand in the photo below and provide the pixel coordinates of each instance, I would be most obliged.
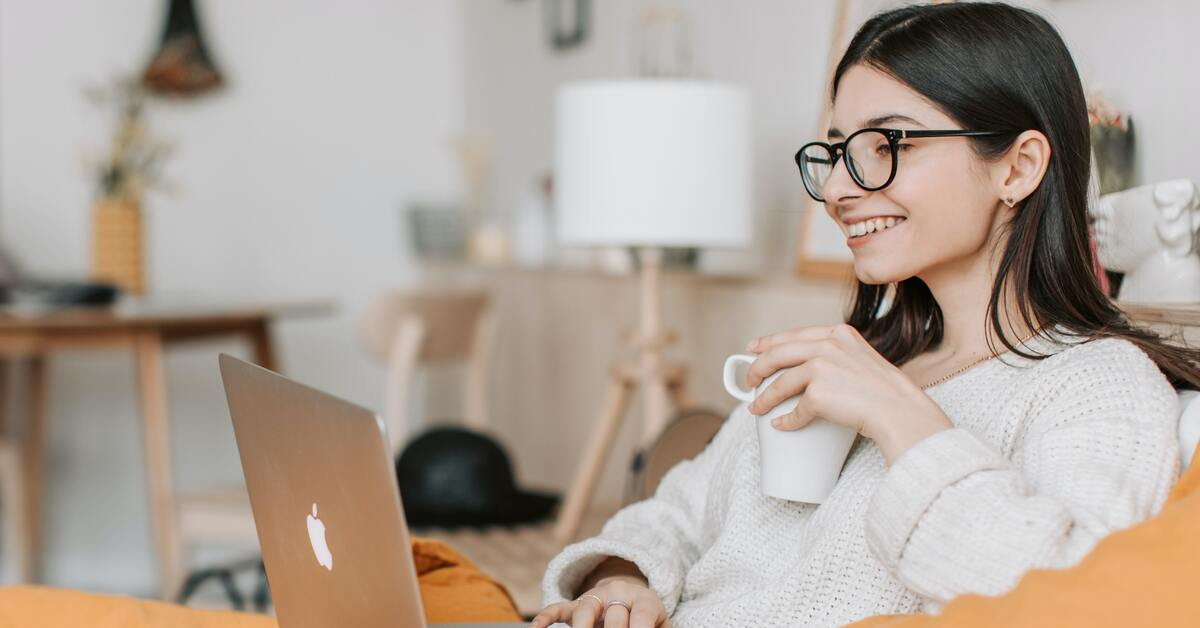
(592, 609)
(843, 380)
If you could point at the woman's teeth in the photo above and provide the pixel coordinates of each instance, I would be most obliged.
(859, 229)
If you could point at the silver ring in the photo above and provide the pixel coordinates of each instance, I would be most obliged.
(619, 603)
(594, 597)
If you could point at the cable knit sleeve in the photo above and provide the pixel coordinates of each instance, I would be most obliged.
(664, 534)
(1096, 453)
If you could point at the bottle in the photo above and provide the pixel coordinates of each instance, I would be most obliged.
(532, 234)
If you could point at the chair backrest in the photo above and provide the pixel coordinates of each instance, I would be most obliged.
(407, 329)
(683, 437)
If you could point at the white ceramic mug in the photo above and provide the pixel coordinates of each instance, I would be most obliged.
(799, 465)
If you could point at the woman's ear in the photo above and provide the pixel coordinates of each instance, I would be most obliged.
(1018, 173)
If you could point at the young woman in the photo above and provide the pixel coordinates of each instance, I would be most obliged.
(957, 164)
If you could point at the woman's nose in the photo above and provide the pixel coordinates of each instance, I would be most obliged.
(840, 185)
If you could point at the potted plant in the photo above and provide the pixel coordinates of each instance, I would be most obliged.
(129, 166)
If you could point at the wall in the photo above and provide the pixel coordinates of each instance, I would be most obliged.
(289, 184)
(1142, 55)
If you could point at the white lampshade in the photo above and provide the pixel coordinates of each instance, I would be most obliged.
(653, 162)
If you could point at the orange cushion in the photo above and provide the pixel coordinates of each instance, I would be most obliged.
(1145, 575)
(453, 590)
(44, 607)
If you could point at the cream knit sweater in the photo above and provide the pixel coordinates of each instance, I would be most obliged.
(1046, 457)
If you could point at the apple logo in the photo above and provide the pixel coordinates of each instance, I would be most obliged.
(316, 536)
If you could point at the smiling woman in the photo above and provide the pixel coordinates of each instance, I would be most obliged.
(981, 209)
(957, 166)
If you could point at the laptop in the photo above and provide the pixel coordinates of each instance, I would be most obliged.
(323, 492)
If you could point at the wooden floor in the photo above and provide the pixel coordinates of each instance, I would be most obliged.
(517, 556)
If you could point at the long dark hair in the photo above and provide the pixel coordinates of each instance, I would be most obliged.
(998, 67)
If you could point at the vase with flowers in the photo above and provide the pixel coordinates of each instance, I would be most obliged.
(130, 165)
(1112, 143)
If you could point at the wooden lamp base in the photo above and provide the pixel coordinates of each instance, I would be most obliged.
(661, 383)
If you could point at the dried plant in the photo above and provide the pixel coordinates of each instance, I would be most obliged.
(133, 161)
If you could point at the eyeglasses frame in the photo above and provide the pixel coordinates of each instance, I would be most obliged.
(893, 137)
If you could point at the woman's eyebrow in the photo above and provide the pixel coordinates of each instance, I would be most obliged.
(877, 121)
(892, 117)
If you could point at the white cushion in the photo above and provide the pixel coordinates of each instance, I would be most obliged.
(1189, 424)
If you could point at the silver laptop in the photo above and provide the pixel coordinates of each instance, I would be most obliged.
(323, 491)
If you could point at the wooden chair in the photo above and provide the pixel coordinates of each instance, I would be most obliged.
(405, 330)
(14, 548)
(16, 544)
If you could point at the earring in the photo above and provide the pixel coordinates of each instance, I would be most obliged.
(1009, 201)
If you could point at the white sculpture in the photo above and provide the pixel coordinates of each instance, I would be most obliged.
(1150, 234)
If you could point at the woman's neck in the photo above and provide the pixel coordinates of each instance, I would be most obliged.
(962, 295)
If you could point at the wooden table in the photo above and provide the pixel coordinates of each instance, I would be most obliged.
(145, 328)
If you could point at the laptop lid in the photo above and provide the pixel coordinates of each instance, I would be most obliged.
(323, 492)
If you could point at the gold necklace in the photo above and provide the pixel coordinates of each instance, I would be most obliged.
(976, 362)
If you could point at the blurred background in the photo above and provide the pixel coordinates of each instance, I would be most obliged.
(311, 158)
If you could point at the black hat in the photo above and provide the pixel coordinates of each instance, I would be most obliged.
(450, 476)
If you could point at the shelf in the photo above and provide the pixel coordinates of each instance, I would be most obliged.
(1170, 313)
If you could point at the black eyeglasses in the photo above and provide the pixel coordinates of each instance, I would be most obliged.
(870, 156)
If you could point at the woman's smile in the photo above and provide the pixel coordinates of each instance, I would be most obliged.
(861, 233)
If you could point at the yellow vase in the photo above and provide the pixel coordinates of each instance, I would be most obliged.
(118, 250)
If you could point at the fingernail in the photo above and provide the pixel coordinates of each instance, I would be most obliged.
(777, 422)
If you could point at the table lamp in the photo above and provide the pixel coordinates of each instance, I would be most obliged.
(648, 163)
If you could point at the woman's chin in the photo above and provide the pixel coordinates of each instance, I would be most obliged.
(872, 272)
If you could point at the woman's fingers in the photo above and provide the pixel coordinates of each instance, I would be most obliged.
(789, 384)
(551, 614)
(798, 417)
(588, 611)
(616, 616)
(643, 616)
(763, 343)
(784, 355)
(641, 609)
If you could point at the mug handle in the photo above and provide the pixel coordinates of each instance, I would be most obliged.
(730, 370)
